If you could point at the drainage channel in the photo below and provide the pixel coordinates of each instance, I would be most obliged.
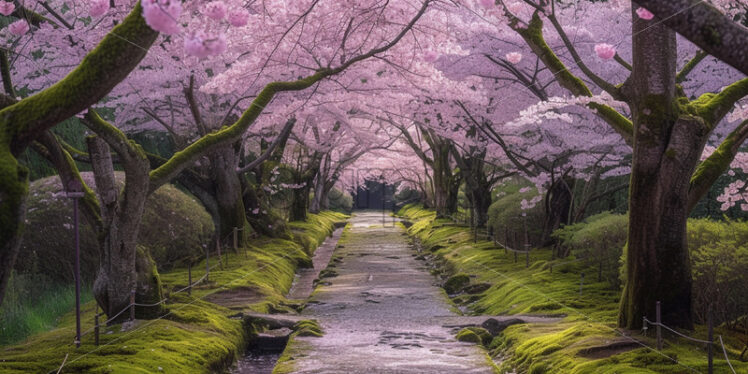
(261, 356)
(264, 351)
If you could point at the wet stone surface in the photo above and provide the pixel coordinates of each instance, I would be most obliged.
(382, 312)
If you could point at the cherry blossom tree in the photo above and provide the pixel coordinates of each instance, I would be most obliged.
(667, 177)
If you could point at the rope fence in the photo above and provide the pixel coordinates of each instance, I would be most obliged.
(150, 322)
(658, 349)
(132, 304)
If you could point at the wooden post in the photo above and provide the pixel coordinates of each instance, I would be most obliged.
(710, 346)
(515, 256)
(236, 240)
(218, 247)
(506, 238)
(658, 319)
(96, 326)
(207, 263)
(581, 284)
(132, 305)
(189, 278)
(527, 242)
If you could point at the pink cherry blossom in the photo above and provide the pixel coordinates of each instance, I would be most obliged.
(98, 8)
(202, 45)
(644, 14)
(605, 51)
(430, 56)
(514, 57)
(215, 10)
(487, 3)
(162, 15)
(19, 27)
(238, 17)
(6, 8)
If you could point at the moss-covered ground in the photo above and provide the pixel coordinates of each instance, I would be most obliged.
(581, 342)
(194, 336)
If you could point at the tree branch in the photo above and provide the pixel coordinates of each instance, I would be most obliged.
(281, 138)
(715, 165)
(706, 27)
(98, 73)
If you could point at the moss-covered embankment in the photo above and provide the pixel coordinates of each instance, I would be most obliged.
(195, 335)
(585, 341)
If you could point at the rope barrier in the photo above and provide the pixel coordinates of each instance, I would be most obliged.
(725, 352)
(126, 308)
(587, 317)
(150, 322)
(676, 332)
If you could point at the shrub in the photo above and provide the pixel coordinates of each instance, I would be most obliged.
(600, 238)
(719, 258)
(174, 228)
(340, 201)
(508, 220)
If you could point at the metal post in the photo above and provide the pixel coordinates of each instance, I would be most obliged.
(132, 305)
(189, 278)
(581, 284)
(710, 346)
(77, 276)
(74, 190)
(658, 319)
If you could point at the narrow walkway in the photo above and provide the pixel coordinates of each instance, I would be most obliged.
(382, 313)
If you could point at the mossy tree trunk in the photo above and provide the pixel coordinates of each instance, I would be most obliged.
(667, 134)
(228, 194)
(23, 122)
(124, 267)
(667, 147)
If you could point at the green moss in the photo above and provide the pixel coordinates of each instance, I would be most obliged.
(477, 335)
(456, 283)
(195, 336)
(308, 328)
(590, 318)
(467, 335)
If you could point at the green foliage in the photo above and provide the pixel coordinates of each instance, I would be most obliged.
(589, 319)
(174, 229)
(719, 258)
(600, 238)
(33, 304)
(340, 201)
(196, 335)
(508, 220)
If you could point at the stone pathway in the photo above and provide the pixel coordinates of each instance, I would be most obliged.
(383, 312)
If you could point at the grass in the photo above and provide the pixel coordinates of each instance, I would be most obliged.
(590, 318)
(195, 336)
(33, 305)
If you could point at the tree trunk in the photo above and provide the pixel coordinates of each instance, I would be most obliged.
(228, 195)
(13, 192)
(558, 205)
(319, 187)
(666, 150)
(124, 267)
(300, 204)
(481, 199)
